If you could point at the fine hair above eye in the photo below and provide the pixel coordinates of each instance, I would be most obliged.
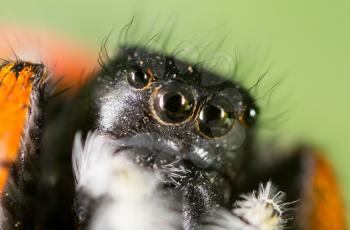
(153, 54)
(176, 93)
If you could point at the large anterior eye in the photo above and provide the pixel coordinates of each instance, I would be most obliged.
(138, 78)
(216, 119)
(173, 103)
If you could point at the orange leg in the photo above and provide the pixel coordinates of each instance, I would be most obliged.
(16, 87)
(68, 62)
(322, 204)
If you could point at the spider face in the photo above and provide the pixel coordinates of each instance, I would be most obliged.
(160, 103)
(169, 112)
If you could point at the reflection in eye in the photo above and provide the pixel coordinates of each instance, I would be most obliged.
(250, 116)
(138, 78)
(215, 120)
(174, 103)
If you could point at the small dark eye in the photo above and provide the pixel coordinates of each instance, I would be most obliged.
(138, 79)
(215, 120)
(174, 103)
(250, 116)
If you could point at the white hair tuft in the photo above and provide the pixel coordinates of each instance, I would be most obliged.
(256, 211)
(129, 196)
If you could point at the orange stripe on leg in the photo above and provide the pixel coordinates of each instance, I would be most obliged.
(323, 207)
(4, 173)
(16, 88)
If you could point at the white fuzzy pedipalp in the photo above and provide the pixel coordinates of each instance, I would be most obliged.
(128, 195)
(256, 211)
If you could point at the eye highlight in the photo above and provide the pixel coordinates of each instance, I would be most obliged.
(138, 78)
(174, 103)
(249, 116)
(215, 119)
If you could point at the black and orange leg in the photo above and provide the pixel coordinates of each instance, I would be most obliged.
(23, 94)
(310, 184)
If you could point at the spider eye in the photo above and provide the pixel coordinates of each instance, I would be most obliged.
(215, 120)
(174, 103)
(138, 78)
(250, 116)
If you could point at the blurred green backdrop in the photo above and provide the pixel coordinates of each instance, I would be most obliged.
(304, 44)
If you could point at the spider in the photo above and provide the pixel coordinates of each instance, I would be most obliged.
(150, 142)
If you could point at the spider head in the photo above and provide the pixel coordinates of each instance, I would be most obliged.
(162, 104)
(188, 123)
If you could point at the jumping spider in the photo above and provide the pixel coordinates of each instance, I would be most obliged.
(149, 142)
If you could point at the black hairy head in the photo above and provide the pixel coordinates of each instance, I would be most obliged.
(193, 126)
(151, 98)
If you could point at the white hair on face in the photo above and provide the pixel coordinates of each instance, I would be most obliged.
(256, 211)
(88, 159)
(174, 173)
(128, 195)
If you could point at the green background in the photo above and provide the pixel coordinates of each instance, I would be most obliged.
(304, 44)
